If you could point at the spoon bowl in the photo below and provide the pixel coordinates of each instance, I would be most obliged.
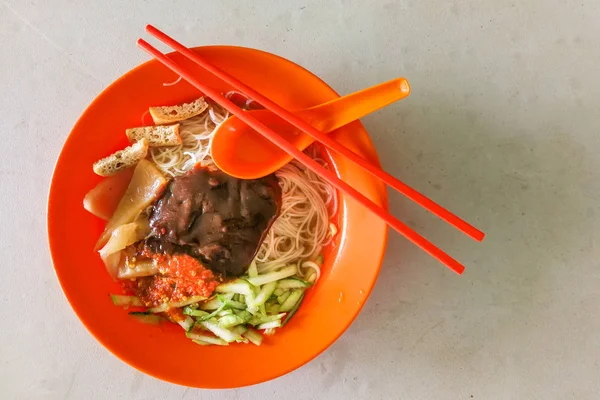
(240, 151)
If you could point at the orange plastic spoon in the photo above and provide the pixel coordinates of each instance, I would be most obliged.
(242, 152)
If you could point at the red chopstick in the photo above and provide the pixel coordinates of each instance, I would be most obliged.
(326, 140)
(306, 160)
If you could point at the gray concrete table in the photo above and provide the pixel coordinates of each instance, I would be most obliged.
(502, 127)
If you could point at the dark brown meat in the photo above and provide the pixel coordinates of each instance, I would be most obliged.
(216, 218)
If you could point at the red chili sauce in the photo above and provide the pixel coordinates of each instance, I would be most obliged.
(179, 277)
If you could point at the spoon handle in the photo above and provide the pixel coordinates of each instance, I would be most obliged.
(336, 113)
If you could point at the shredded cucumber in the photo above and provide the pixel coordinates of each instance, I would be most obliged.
(211, 304)
(293, 310)
(244, 315)
(292, 283)
(253, 336)
(228, 302)
(125, 301)
(270, 325)
(281, 299)
(220, 332)
(221, 311)
(273, 276)
(201, 343)
(206, 339)
(239, 286)
(187, 323)
(272, 308)
(195, 313)
(261, 319)
(265, 292)
(239, 329)
(236, 304)
(252, 270)
(229, 321)
(291, 301)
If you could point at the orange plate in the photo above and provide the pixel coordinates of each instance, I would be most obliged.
(352, 262)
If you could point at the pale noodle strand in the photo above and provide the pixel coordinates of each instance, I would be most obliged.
(302, 228)
(173, 83)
